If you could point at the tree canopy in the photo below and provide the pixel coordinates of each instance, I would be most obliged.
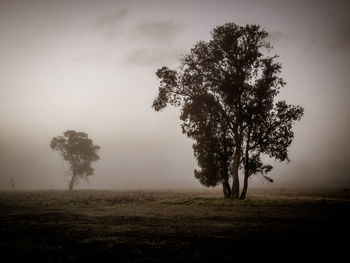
(226, 89)
(80, 151)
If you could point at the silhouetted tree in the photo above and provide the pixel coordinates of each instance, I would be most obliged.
(80, 151)
(213, 145)
(228, 86)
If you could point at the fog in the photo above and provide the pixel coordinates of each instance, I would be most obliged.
(90, 66)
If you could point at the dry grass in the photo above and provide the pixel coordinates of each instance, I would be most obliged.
(158, 226)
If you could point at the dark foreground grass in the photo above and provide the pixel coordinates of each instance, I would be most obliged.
(161, 226)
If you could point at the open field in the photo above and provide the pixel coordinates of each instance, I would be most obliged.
(173, 226)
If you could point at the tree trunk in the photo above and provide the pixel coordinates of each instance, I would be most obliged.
(235, 182)
(245, 187)
(226, 188)
(234, 171)
(246, 167)
(72, 181)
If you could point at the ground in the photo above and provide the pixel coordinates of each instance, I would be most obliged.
(174, 226)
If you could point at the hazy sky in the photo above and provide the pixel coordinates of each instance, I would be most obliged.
(90, 66)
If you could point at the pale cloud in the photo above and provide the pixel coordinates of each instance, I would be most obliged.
(110, 25)
(155, 56)
(144, 43)
(112, 19)
(157, 31)
(155, 43)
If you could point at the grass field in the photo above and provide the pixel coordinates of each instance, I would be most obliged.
(174, 226)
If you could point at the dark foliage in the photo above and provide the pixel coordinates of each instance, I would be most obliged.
(226, 89)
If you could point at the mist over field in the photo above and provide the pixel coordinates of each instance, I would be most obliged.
(97, 98)
(90, 66)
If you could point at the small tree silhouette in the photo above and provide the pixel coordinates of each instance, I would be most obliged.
(80, 151)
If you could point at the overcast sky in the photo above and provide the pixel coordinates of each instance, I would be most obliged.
(90, 66)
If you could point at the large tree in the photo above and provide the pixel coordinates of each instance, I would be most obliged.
(227, 88)
(80, 151)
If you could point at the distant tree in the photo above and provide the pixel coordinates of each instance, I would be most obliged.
(228, 86)
(80, 151)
